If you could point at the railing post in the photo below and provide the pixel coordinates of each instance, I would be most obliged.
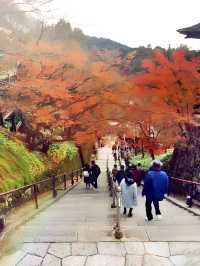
(77, 175)
(72, 178)
(35, 192)
(113, 205)
(65, 182)
(54, 192)
(2, 222)
(81, 172)
(118, 232)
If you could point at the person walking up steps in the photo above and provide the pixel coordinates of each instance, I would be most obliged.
(95, 172)
(129, 194)
(155, 187)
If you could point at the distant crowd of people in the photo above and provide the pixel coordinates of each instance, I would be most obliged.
(122, 151)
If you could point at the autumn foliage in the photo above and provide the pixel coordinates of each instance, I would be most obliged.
(62, 86)
(79, 94)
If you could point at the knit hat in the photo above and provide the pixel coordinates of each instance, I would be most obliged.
(157, 162)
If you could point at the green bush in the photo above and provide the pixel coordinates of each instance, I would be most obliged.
(59, 152)
(146, 161)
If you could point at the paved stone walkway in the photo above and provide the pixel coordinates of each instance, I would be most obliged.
(106, 254)
(77, 231)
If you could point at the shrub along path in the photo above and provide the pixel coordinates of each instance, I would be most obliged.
(77, 230)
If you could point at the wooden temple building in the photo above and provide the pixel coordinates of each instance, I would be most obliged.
(191, 32)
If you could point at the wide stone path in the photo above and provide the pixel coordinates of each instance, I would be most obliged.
(77, 231)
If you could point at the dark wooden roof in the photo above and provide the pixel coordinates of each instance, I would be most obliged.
(191, 32)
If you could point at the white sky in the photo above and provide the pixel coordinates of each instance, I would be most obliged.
(133, 22)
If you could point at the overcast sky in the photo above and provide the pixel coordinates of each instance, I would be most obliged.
(133, 22)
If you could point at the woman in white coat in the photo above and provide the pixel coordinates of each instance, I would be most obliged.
(129, 194)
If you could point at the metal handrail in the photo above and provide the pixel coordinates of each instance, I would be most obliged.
(37, 183)
(187, 188)
(53, 180)
(185, 181)
(115, 193)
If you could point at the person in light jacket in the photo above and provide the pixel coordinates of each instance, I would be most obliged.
(129, 194)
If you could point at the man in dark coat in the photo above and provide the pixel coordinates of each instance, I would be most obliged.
(155, 187)
(95, 172)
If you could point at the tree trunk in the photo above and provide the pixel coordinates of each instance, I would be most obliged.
(135, 150)
(185, 162)
(45, 146)
(13, 121)
(68, 133)
(81, 155)
(151, 152)
(1, 120)
(143, 154)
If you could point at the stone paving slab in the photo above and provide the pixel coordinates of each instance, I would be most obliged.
(134, 260)
(74, 261)
(51, 260)
(177, 248)
(107, 254)
(38, 249)
(81, 249)
(151, 260)
(136, 248)
(157, 248)
(105, 260)
(60, 250)
(111, 248)
(29, 260)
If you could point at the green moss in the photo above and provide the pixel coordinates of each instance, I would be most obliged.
(18, 166)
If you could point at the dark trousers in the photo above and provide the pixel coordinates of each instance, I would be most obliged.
(149, 208)
(94, 182)
(130, 211)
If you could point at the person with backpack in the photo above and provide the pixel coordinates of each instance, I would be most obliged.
(87, 175)
(95, 172)
(129, 193)
(156, 184)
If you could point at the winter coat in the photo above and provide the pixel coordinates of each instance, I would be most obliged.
(119, 176)
(95, 171)
(155, 185)
(137, 176)
(87, 175)
(129, 194)
(114, 173)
